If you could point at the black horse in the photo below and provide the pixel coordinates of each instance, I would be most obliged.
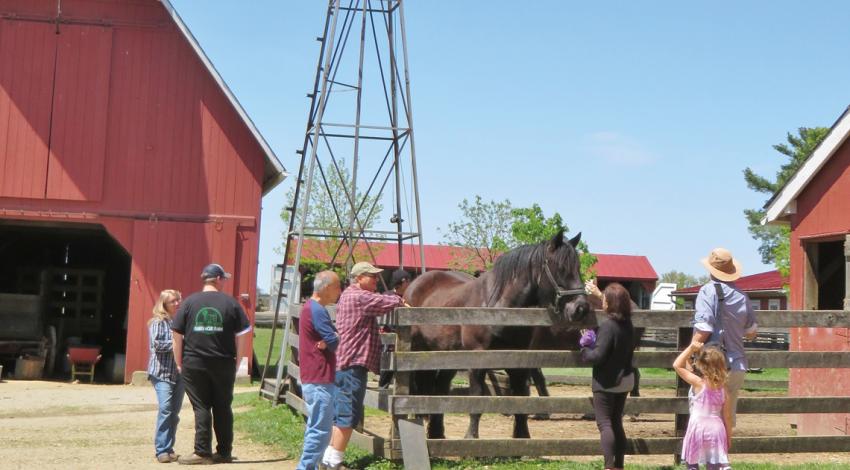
(541, 275)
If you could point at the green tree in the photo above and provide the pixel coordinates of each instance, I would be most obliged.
(531, 226)
(497, 227)
(484, 229)
(328, 217)
(775, 239)
(683, 280)
(329, 209)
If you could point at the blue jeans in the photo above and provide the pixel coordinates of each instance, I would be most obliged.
(350, 392)
(170, 398)
(320, 413)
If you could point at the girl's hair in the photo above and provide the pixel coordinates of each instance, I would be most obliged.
(619, 303)
(159, 311)
(711, 363)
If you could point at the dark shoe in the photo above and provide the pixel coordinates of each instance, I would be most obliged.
(218, 458)
(163, 458)
(322, 466)
(195, 459)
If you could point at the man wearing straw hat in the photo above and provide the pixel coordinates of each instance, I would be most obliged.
(725, 317)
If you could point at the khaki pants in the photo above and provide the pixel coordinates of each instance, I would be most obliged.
(733, 386)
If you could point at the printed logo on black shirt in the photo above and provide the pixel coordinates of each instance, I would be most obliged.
(208, 321)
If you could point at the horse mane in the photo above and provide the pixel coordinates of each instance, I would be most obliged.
(527, 260)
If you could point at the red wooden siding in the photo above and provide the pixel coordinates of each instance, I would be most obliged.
(170, 255)
(822, 211)
(130, 124)
(27, 54)
(78, 130)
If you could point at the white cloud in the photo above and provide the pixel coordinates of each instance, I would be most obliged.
(619, 149)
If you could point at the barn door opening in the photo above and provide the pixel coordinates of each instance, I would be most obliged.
(76, 279)
(826, 275)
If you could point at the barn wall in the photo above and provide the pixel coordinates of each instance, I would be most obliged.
(115, 120)
(822, 212)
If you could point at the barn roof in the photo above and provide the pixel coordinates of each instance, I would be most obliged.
(784, 202)
(766, 281)
(274, 172)
(445, 257)
(626, 267)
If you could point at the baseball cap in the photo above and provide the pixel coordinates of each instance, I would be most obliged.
(364, 267)
(212, 271)
(399, 276)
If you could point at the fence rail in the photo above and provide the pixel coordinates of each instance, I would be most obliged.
(407, 434)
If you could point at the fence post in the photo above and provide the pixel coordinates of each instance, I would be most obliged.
(407, 440)
(402, 381)
(684, 338)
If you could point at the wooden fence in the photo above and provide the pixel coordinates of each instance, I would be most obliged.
(407, 441)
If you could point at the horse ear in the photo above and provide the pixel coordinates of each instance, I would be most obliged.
(557, 241)
(575, 240)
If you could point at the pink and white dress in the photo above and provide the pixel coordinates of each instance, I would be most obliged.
(705, 439)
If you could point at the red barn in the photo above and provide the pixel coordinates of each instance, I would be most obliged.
(765, 290)
(815, 203)
(126, 165)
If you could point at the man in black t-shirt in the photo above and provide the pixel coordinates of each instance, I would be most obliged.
(210, 333)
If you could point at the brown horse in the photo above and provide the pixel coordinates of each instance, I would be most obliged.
(541, 275)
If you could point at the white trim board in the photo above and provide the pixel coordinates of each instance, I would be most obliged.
(785, 202)
(278, 171)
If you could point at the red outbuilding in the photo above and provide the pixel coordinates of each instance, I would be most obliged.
(126, 165)
(815, 203)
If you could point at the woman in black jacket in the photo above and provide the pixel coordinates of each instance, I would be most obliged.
(610, 351)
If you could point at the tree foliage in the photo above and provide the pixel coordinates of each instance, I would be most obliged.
(484, 229)
(496, 226)
(775, 239)
(683, 280)
(328, 215)
(329, 207)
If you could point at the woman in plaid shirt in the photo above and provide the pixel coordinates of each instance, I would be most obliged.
(162, 372)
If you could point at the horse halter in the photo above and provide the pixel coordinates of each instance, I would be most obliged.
(560, 292)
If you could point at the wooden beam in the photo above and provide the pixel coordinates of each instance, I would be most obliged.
(657, 382)
(522, 359)
(576, 405)
(293, 371)
(660, 445)
(640, 318)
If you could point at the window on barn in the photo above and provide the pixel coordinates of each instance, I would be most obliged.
(773, 304)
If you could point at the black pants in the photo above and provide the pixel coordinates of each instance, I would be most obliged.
(209, 384)
(609, 419)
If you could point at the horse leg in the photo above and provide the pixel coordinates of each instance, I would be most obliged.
(519, 388)
(539, 381)
(442, 385)
(477, 387)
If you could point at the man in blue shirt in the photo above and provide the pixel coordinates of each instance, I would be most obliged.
(317, 342)
(737, 318)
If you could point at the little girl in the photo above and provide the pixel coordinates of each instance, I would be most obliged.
(710, 425)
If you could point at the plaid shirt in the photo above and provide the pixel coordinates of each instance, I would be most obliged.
(356, 321)
(161, 362)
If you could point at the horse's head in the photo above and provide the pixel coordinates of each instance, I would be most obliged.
(561, 278)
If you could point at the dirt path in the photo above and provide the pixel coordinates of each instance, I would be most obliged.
(48, 425)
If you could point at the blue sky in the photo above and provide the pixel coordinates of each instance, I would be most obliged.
(634, 120)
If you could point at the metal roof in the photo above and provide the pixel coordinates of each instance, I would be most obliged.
(766, 281)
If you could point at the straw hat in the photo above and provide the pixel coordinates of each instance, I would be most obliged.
(722, 265)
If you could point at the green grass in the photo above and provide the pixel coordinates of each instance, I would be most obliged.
(261, 344)
(282, 429)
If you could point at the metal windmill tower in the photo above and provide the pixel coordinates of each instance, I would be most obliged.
(358, 156)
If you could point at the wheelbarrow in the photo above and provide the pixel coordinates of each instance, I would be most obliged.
(83, 359)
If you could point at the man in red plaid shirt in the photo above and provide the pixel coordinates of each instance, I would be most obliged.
(358, 353)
